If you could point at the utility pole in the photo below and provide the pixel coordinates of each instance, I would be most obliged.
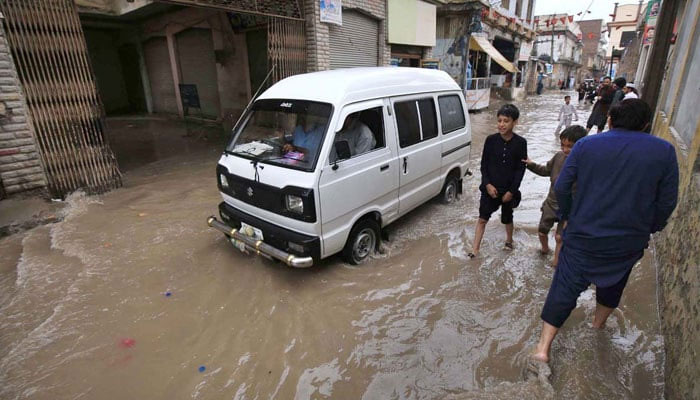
(551, 52)
(659, 51)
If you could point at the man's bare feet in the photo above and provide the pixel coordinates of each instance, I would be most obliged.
(544, 251)
(597, 324)
(601, 315)
(539, 355)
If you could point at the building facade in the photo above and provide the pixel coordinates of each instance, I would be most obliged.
(485, 47)
(195, 59)
(593, 59)
(560, 43)
(622, 32)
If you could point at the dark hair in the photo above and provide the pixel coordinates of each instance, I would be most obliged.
(630, 114)
(509, 110)
(620, 82)
(604, 78)
(567, 97)
(573, 133)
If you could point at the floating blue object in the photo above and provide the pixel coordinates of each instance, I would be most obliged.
(202, 368)
(168, 294)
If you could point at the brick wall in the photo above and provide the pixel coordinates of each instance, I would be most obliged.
(20, 167)
(317, 36)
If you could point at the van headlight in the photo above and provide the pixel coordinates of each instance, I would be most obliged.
(294, 203)
(223, 180)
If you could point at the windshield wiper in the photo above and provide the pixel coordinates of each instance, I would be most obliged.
(255, 156)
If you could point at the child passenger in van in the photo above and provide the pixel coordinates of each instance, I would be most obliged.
(501, 174)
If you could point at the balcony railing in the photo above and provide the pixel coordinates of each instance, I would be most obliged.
(478, 83)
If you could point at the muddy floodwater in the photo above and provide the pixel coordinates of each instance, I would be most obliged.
(132, 296)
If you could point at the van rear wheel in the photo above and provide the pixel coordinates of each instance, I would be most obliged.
(449, 191)
(362, 241)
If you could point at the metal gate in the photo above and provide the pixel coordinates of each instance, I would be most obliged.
(286, 47)
(286, 40)
(49, 50)
(355, 43)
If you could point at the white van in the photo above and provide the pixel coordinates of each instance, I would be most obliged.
(321, 162)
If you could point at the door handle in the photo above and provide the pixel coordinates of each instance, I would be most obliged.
(405, 164)
(384, 167)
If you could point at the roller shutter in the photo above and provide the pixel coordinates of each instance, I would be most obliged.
(355, 43)
(160, 75)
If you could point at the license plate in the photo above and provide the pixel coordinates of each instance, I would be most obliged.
(251, 231)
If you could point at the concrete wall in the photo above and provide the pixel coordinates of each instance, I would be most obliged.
(232, 74)
(678, 259)
(20, 167)
(317, 36)
(678, 246)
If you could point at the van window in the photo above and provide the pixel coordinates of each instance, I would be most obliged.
(451, 113)
(363, 131)
(407, 121)
(428, 118)
(410, 123)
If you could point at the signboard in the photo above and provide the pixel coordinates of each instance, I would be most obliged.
(652, 15)
(525, 50)
(430, 64)
(331, 11)
(189, 95)
(549, 68)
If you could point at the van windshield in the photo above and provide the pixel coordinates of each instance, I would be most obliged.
(288, 133)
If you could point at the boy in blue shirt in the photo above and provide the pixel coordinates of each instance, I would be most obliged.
(502, 172)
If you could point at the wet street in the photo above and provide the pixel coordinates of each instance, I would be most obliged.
(132, 296)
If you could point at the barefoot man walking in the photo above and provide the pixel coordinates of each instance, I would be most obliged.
(626, 188)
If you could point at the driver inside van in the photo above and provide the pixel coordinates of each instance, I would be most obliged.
(359, 137)
(306, 137)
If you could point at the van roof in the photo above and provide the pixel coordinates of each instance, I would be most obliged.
(342, 86)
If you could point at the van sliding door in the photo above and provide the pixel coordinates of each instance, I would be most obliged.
(419, 150)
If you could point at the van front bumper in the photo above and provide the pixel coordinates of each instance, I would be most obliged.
(292, 248)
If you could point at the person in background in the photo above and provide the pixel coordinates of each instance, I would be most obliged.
(626, 189)
(630, 91)
(602, 105)
(581, 92)
(502, 171)
(618, 84)
(566, 112)
(549, 208)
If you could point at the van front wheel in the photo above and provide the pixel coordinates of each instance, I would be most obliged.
(361, 242)
(449, 191)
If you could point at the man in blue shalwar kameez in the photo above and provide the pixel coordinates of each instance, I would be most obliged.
(626, 189)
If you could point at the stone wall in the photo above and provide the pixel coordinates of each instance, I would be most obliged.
(20, 167)
(318, 54)
(678, 259)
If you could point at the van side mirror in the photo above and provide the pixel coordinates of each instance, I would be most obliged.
(342, 150)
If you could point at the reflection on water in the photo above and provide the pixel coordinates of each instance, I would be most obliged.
(131, 296)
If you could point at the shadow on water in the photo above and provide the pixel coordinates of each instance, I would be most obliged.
(131, 295)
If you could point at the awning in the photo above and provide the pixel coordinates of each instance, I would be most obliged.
(481, 43)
